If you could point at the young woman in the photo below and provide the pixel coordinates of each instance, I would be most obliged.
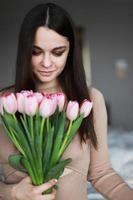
(49, 59)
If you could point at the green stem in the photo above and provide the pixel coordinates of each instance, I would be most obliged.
(25, 119)
(14, 116)
(42, 126)
(31, 165)
(17, 143)
(31, 127)
(47, 124)
(65, 139)
(48, 191)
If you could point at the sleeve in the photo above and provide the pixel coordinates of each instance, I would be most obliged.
(101, 174)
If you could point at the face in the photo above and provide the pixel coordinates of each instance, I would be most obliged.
(49, 55)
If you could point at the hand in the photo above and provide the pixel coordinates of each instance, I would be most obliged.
(25, 190)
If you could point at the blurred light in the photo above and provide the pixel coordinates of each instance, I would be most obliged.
(121, 67)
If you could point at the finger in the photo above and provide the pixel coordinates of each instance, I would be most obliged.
(45, 186)
(54, 190)
(27, 179)
(47, 196)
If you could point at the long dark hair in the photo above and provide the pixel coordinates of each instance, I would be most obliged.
(72, 79)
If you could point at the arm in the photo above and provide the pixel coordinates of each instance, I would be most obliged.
(5, 191)
(101, 174)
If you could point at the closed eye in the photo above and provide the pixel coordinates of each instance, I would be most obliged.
(58, 53)
(36, 52)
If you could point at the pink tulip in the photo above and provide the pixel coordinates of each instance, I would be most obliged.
(1, 106)
(10, 103)
(27, 93)
(44, 93)
(30, 105)
(47, 107)
(20, 102)
(60, 101)
(54, 103)
(86, 107)
(39, 96)
(72, 110)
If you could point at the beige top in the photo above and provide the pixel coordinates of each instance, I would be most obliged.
(87, 163)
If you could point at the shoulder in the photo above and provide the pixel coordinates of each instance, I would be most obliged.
(99, 106)
(7, 90)
(96, 96)
(100, 115)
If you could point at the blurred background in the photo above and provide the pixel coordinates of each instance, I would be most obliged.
(105, 30)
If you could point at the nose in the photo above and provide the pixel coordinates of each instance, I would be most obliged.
(46, 61)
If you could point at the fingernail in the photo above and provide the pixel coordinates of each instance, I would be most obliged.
(55, 180)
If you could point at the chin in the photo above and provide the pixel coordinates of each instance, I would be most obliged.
(46, 79)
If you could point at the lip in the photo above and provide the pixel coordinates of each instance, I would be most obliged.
(45, 73)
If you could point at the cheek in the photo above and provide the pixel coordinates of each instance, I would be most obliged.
(61, 61)
(34, 62)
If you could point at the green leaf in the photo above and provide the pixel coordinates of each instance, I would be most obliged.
(48, 149)
(58, 169)
(68, 138)
(58, 140)
(17, 129)
(15, 162)
(20, 139)
(25, 127)
(38, 138)
(75, 126)
(55, 121)
(15, 139)
(30, 171)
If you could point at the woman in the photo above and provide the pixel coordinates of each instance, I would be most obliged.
(49, 59)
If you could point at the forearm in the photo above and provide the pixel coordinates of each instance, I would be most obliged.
(112, 186)
(6, 191)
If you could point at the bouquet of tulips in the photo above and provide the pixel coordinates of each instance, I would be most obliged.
(41, 126)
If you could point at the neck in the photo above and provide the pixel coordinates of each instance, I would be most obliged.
(49, 88)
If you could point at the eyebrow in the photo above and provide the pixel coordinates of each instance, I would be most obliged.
(56, 48)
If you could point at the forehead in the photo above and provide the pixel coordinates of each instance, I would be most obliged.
(48, 38)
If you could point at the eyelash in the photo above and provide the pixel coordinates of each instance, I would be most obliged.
(35, 53)
(58, 54)
(38, 53)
